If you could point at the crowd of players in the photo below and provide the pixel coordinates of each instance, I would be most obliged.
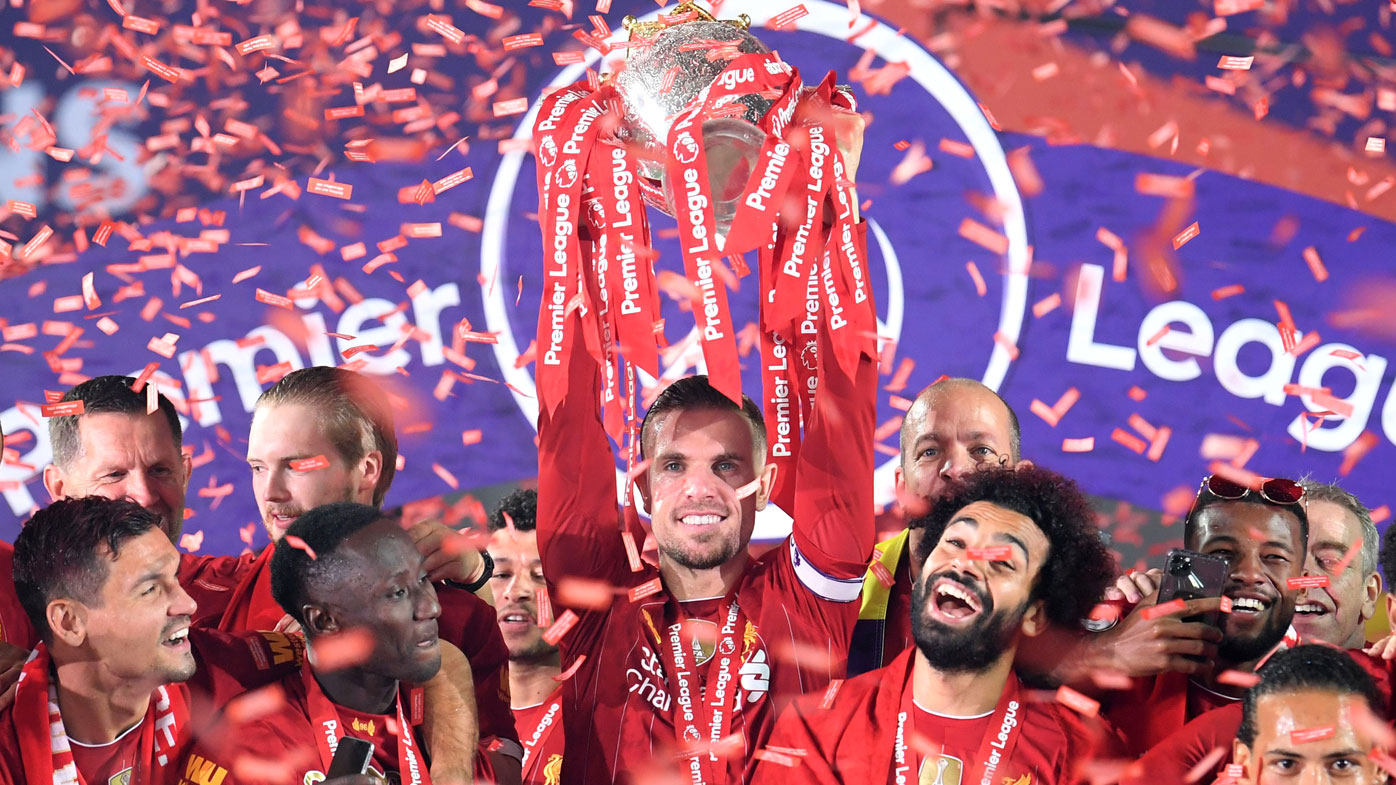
(992, 641)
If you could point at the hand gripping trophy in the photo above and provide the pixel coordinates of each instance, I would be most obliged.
(705, 123)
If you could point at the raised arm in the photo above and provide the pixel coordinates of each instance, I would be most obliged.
(834, 526)
(578, 519)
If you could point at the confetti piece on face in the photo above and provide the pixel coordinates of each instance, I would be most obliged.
(571, 669)
(65, 409)
(1184, 236)
(1306, 735)
(991, 553)
(1307, 582)
(561, 627)
(310, 464)
(1077, 702)
(329, 188)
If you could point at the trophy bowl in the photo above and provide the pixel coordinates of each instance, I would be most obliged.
(732, 142)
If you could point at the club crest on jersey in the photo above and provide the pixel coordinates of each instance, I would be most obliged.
(552, 770)
(122, 777)
(313, 778)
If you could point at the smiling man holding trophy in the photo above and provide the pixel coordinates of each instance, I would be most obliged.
(688, 660)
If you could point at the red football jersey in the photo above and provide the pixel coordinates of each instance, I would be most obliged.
(1158, 706)
(853, 740)
(234, 594)
(540, 731)
(15, 627)
(283, 746)
(228, 666)
(799, 600)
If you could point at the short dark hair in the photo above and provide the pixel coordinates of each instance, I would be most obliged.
(354, 411)
(521, 505)
(62, 551)
(103, 395)
(695, 392)
(1015, 432)
(1207, 499)
(1308, 667)
(323, 530)
(1078, 565)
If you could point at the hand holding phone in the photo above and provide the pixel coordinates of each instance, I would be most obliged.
(350, 763)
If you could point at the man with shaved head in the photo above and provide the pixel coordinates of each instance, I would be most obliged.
(954, 427)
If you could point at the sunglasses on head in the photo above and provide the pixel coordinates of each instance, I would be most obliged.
(1276, 490)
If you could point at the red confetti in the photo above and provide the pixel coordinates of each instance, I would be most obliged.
(559, 628)
(1162, 609)
(646, 589)
(66, 409)
(788, 17)
(512, 106)
(830, 693)
(310, 464)
(571, 669)
(1053, 414)
(271, 298)
(512, 42)
(299, 544)
(632, 553)
(1078, 445)
(991, 553)
(446, 476)
(1224, 292)
(978, 279)
(330, 188)
(1187, 234)
(192, 542)
(1307, 582)
(1315, 262)
(1077, 702)
(1307, 735)
(344, 649)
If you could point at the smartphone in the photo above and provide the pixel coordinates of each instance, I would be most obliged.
(1188, 575)
(352, 756)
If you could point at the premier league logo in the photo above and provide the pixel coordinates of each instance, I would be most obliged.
(567, 176)
(685, 148)
(547, 152)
